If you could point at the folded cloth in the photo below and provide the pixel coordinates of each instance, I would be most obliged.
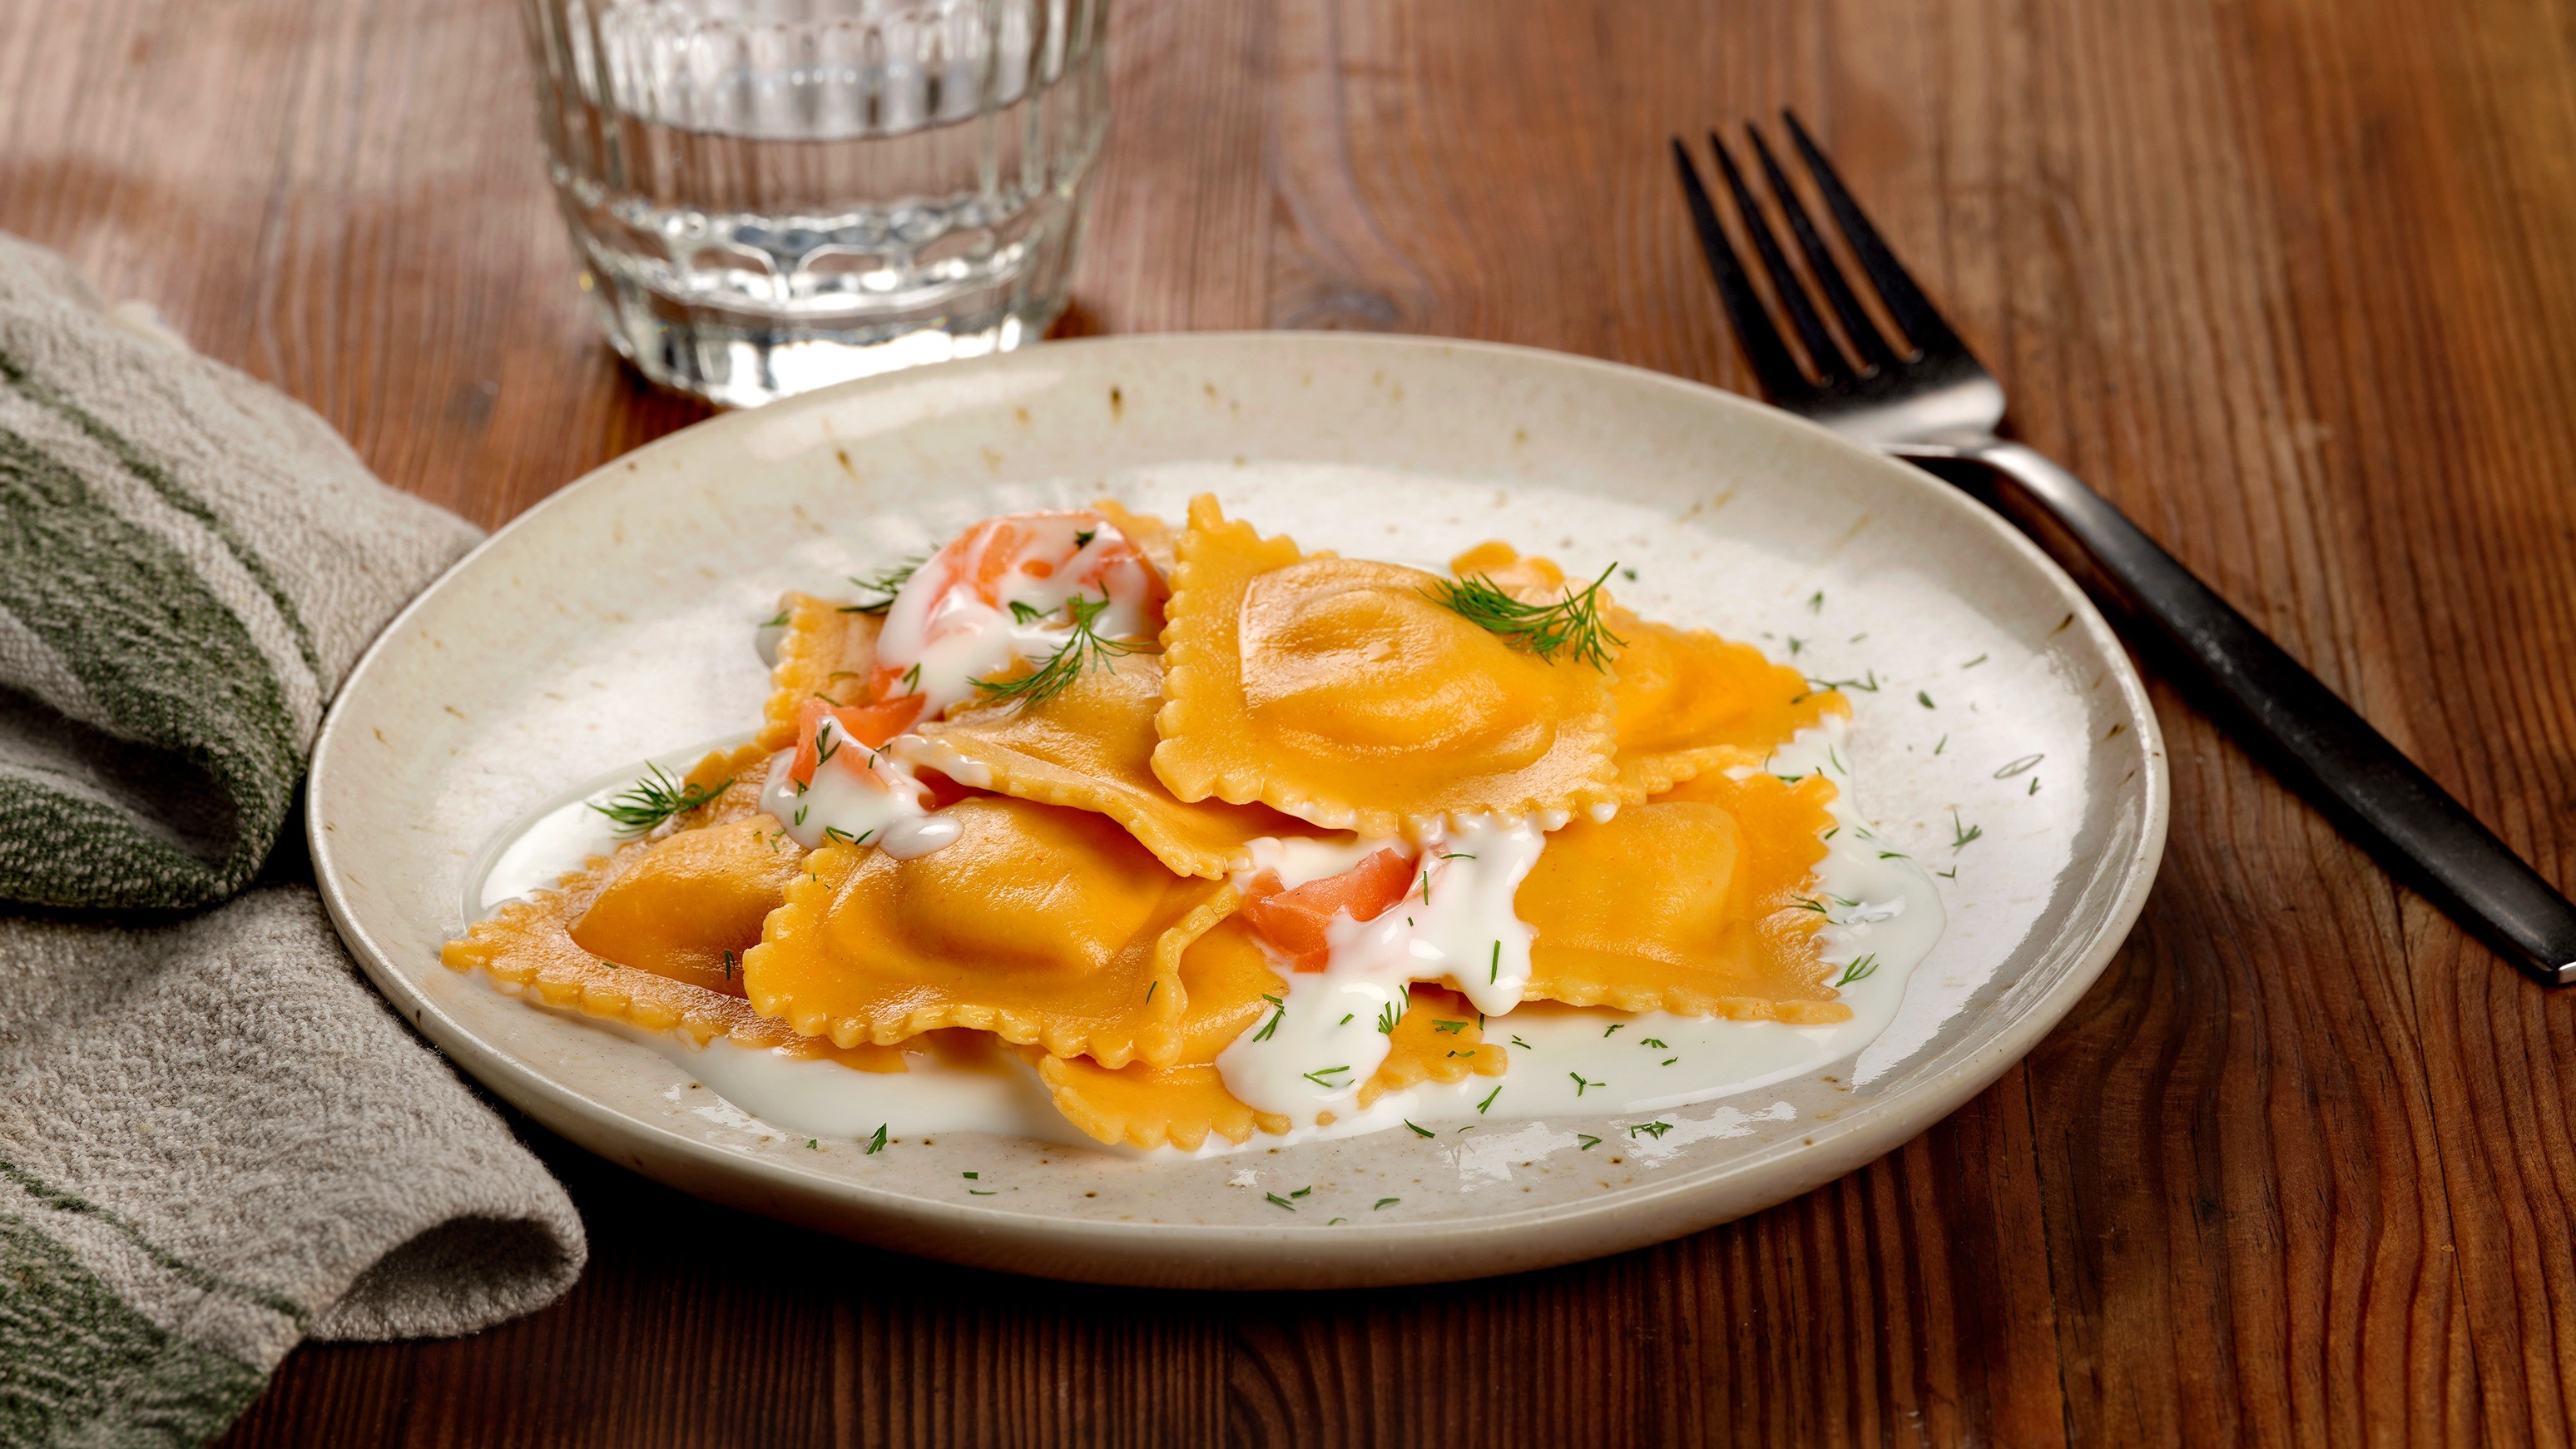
(215, 1138)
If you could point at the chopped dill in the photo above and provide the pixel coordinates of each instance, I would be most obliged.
(1318, 1075)
(1861, 968)
(1655, 1130)
(1450, 1027)
(1965, 833)
(1581, 1083)
(1653, 1041)
(1386, 1202)
(1387, 1017)
(876, 1144)
(776, 621)
(1489, 1100)
(657, 797)
(1524, 1046)
(1276, 1200)
(1084, 650)
(1276, 1017)
(1866, 684)
(1573, 624)
(1024, 612)
(885, 585)
(1923, 697)
(1588, 1140)
(1418, 1130)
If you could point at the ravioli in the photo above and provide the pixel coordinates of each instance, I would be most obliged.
(1228, 984)
(1231, 987)
(1040, 924)
(653, 933)
(1091, 747)
(1440, 1039)
(1697, 901)
(1686, 701)
(1344, 693)
(1690, 703)
(826, 653)
(1151, 535)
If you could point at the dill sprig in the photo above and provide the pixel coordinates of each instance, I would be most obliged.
(1083, 650)
(640, 807)
(885, 585)
(1572, 624)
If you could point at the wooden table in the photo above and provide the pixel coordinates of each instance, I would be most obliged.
(2289, 279)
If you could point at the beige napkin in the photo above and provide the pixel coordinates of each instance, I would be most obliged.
(215, 1138)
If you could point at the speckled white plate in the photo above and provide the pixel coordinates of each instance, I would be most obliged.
(613, 623)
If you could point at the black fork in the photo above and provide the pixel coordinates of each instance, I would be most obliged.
(1919, 393)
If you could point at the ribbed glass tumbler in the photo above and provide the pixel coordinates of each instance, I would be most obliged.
(772, 195)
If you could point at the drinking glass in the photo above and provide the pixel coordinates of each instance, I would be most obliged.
(772, 195)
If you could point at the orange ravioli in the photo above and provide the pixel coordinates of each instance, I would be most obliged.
(1146, 1106)
(1090, 747)
(1043, 925)
(1697, 901)
(825, 656)
(691, 904)
(1229, 984)
(1690, 703)
(1439, 1040)
(1342, 692)
(667, 972)
(1151, 535)
(1686, 701)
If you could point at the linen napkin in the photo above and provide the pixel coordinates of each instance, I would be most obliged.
(215, 1138)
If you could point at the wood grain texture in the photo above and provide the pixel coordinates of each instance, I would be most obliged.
(2286, 278)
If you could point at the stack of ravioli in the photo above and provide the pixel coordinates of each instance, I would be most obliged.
(1090, 916)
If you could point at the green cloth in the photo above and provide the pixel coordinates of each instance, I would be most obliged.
(215, 1139)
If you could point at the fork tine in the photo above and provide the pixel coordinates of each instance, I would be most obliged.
(1773, 367)
(1913, 311)
(1831, 367)
(1866, 339)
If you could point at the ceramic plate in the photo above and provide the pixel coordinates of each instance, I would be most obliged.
(2007, 745)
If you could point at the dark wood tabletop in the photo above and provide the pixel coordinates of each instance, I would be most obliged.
(2290, 280)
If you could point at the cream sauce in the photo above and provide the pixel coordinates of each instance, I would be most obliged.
(858, 795)
(957, 629)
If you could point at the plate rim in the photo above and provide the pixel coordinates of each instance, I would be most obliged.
(1284, 1255)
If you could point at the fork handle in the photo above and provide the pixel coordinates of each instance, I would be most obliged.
(2343, 766)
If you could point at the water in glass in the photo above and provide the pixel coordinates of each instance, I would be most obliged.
(772, 195)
